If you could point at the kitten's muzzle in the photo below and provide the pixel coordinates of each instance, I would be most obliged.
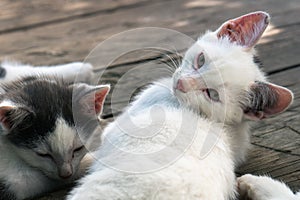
(65, 171)
(187, 84)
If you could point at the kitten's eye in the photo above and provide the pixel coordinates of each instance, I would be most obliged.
(78, 149)
(213, 94)
(200, 61)
(44, 155)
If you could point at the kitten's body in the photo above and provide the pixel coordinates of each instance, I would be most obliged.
(199, 137)
(181, 180)
(11, 70)
(41, 145)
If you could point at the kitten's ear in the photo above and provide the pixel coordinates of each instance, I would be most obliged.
(11, 115)
(245, 30)
(90, 98)
(266, 99)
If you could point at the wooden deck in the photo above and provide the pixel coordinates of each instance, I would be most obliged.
(52, 32)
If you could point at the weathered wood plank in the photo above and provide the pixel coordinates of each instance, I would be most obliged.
(18, 15)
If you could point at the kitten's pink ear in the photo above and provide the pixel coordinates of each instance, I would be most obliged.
(267, 99)
(11, 115)
(90, 98)
(100, 96)
(245, 30)
(4, 110)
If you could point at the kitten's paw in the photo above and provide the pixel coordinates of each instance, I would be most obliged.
(246, 188)
(262, 188)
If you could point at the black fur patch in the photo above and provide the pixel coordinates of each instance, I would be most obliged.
(4, 193)
(44, 100)
(2, 72)
(262, 98)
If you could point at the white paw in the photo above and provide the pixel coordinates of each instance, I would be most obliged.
(262, 188)
(245, 187)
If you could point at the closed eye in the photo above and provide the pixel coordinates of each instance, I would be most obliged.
(44, 155)
(78, 149)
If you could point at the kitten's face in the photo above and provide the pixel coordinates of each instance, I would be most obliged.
(37, 115)
(59, 154)
(215, 76)
(218, 74)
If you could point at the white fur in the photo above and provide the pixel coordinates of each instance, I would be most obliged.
(7, 103)
(182, 180)
(82, 72)
(264, 188)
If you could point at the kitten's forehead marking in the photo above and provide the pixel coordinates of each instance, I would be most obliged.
(63, 139)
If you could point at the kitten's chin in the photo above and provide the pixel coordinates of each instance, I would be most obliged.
(56, 177)
(66, 179)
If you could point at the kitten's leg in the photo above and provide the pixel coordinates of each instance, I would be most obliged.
(263, 188)
(68, 71)
(83, 72)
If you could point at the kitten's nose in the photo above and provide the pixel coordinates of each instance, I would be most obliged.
(180, 86)
(65, 171)
(187, 84)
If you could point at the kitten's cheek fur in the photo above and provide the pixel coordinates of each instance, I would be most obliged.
(85, 163)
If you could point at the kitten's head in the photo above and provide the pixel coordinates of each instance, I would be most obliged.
(37, 119)
(220, 79)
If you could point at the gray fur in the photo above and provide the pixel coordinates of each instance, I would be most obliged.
(261, 97)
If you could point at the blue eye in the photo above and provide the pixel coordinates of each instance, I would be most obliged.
(199, 61)
(213, 94)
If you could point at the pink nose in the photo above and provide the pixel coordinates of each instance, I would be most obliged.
(180, 86)
(186, 84)
(65, 171)
(65, 175)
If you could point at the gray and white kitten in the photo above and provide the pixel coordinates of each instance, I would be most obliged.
(42, 146)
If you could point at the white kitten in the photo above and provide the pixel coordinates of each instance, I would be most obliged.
(183, 137)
